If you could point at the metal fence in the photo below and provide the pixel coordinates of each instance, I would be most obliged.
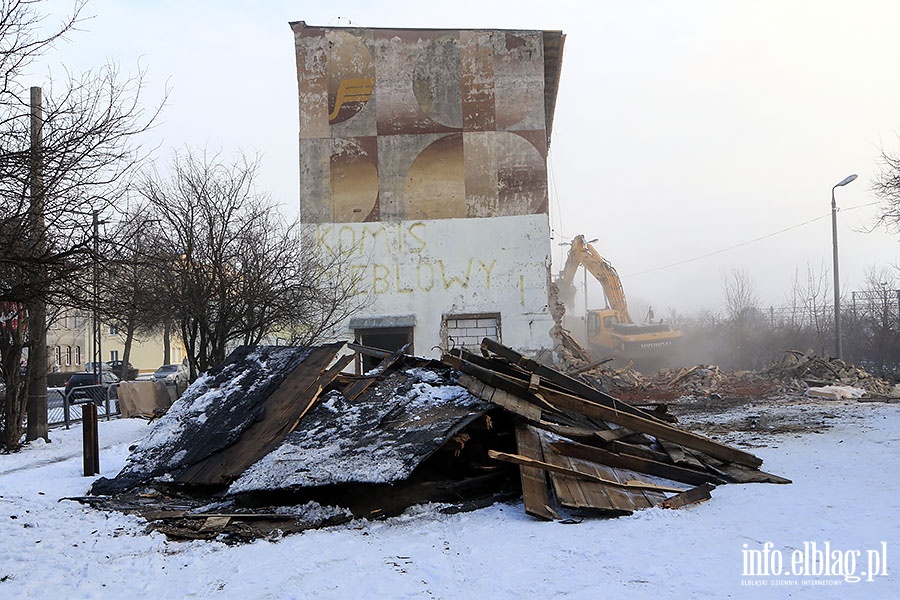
(63, 410)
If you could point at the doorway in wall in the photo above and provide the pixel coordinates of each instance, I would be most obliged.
(389, 339)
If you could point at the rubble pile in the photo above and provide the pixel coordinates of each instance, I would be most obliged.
(802, 370)
(795, 374)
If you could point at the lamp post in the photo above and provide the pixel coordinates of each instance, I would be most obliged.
(837, 281)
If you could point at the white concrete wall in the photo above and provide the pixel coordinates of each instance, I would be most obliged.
(432, 268)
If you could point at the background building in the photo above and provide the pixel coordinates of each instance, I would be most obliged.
(69, 340)
(423, 158)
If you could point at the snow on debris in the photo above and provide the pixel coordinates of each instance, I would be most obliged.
(233, 393)
(836, 392)
(377, 438)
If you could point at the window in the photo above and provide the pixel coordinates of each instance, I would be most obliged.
(467, 331)
(113, 355)
(113, 330)
(77, 355)
(593, 324)
(59, 355)
(68, 356)
(389, 339)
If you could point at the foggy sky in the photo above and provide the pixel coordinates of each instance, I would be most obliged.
(682, 129)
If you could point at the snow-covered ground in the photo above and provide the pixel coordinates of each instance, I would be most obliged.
(843, 505)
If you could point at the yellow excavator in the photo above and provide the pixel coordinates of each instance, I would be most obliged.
(611, 329)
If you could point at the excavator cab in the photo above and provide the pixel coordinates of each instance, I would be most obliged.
(601, 320)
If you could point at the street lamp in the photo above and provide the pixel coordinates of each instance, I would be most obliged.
(837, 282)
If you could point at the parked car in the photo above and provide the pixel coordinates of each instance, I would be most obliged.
(89, 367)
(172, 374)
(84, 386)
(129, 373)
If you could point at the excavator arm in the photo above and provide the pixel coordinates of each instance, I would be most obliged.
(584, 254)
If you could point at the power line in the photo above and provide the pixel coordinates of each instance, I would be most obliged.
(753, 241)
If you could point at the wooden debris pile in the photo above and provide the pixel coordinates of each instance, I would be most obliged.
(806, 369)
(581, 449)
(281, 439)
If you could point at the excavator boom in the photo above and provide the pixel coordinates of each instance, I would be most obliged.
(582, 253)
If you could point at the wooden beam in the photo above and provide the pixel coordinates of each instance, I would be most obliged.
(570, 384)
(639, 451)
(641, 465)
(535, 493)
(354, 390)
(501, 398)
(524, 460)
(556, 400)
(652, 427)
(701, 493)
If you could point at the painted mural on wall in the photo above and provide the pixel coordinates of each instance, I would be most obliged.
(422, 257)
(420, 124)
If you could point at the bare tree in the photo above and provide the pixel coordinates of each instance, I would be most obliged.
(22, 41)
(133, 297)
(746, 322)
(886, 187)
(234, 270)
(873, 323)
(811, 313)
(49, 190)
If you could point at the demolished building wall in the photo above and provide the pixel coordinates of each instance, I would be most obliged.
(423, 158)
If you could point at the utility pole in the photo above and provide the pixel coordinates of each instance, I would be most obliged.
(98, 335)
(90, 434)
(36, 410)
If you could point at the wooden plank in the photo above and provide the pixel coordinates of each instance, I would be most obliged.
(601, 495)
(679, 456)
(641, 465)
(652, 426)
(370, 351)
(736, 473)
(357, 388)
(741, 474)
(592, 365)
(611, 435)
(501, 398)
(570, 493)
(215, 523)
(578, 493)
(701, 493)
(639, 451)
(570, 384)
(631, 484)
(640, 498)
(535, 494)
(591, 437)
(282, 410)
